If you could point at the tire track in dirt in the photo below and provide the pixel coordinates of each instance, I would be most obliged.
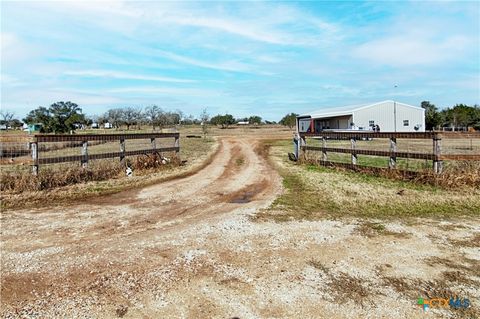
(93, 237)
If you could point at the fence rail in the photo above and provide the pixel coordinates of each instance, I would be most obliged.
(435, 153)
(99, 137)
(371, 152)
(83, 156)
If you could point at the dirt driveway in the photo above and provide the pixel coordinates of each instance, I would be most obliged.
(188, 248)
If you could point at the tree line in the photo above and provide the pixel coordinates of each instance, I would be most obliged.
(458, 116)
(63, 117)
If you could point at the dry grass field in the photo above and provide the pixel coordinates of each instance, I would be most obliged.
(240, 231)
(467, 146)
(362, 195)
(21, 189)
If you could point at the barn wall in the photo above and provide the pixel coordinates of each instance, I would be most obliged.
(414, 117)
(383, 115)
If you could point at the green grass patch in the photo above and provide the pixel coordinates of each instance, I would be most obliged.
(315, 192)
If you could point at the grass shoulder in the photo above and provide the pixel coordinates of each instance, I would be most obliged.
(315, 192)
(197, 152)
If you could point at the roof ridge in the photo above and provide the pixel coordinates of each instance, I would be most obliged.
(351, 108)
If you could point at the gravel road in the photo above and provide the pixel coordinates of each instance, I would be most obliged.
(188, 248)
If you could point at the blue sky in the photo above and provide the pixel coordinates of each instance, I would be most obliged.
(245, 58)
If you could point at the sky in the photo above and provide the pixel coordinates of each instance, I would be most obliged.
(244, 58)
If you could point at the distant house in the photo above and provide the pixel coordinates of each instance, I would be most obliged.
(32, 128)
(388, 116)
(108, 125)
(79, 126)
(243, 123)
(95, 125)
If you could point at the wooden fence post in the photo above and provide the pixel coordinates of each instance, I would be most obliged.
(437, 152)
(302, 143)
(296, 142)
(84, 153)
(324, 151)
(34, 146)
(154, 144)
(393, 149)
(177, 143)
(122, 149)
(354, 154)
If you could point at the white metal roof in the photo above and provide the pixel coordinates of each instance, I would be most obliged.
(346, 110)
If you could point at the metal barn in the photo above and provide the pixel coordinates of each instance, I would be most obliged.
(388, 116)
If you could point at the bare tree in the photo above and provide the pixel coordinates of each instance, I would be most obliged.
(189, 119)
(173, 118)
(204, 117)
(141, 118)
(114, 117)
(131, 116)
(153, 115)
(7, 118)
(180, 116)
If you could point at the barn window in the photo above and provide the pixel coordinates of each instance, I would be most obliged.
(371, 123)
(405, 123)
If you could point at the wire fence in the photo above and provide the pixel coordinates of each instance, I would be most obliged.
(407, 151)
(14, 149)
(17, 152)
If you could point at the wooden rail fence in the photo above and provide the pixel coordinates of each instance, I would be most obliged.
(84, 155)
(436, 155)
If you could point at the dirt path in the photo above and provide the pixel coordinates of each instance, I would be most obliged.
(188, 248)
(51, 255)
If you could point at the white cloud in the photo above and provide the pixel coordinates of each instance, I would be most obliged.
(197, 92)
(234, 66)
(123, 75)
(271, 24)
(10, 81)
(279, 24)
(14, 50)
(412, 49)
(361, 54)
(411, 38)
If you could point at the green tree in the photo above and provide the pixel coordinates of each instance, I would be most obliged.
(476, 117)
(255, 119)
(64, 116)
(60, 117)
(462, 115)
(289, 120)
(433, 117)
(16, 123)
(39, 115)
(223, 120)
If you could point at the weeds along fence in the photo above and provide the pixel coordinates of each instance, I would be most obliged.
(43, 149)
(411, 151)
(13, 146)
